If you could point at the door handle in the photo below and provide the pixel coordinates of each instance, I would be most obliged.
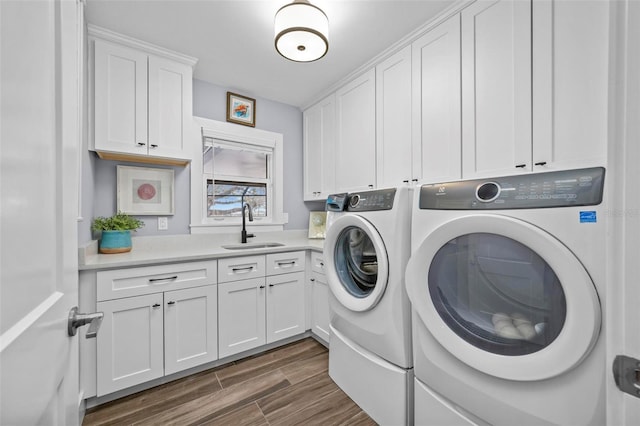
(78, 320)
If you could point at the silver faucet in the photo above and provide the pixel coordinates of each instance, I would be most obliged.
(243, 234)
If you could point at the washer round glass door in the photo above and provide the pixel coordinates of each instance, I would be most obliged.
(358, 268)
(504, 297)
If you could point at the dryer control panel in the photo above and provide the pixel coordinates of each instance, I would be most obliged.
(567, 188)
(379, 199)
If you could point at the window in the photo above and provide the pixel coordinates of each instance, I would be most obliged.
(237, 165)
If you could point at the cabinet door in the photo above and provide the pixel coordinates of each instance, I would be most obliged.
(496, 88)
(320, 306)
(170, 95)
(285, 306)
(570, 84)
(356, 134)
(241, 315)
(319, 144)
(120, 120)
(393, 120)
(130, 342)
(437, 139)
(190, 328)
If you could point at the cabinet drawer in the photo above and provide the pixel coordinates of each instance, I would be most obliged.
(317, 262)
(240, 268)
(118, 283)
(283, 263)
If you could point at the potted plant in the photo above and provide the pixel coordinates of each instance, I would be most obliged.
(116, 232)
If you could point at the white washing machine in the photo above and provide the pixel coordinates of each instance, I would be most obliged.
(366, 249)
(505, 279)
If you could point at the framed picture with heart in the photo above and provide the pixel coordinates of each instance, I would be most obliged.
(145, 191)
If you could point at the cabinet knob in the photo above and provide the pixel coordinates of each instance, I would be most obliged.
(370, 186)
(520, 166)
(540, 163)
(312, 279)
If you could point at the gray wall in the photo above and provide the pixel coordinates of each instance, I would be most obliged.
(209, 101)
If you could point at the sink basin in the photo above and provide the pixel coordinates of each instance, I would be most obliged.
(252, 246)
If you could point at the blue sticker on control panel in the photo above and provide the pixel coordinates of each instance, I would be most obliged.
(588, 217)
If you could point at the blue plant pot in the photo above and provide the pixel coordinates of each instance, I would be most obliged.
(115, 242)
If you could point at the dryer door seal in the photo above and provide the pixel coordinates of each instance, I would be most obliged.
(357, 263)
(569, 337)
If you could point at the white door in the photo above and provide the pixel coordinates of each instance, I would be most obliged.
(496, 88)
(285, 310)
(623, 295)
(190, 327)
(39, 196)
(356, 134)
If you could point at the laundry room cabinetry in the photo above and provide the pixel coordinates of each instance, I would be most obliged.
(142, 100)
(436, 103)
(261, 300)
(534, 86)
(393, 121)
(319, 124)
(319, 298)
(158, 320)
(356, 134)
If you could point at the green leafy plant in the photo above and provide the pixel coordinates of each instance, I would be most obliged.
(118, 222)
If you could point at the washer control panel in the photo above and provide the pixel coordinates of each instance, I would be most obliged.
(581, 187)
(379, 199)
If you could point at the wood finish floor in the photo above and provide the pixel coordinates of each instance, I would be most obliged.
(289, 385)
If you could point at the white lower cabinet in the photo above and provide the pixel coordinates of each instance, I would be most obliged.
(146, 337)
(256, 311)
(319, 300)
(241, 315)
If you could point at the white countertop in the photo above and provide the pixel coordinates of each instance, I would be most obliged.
(184, 248)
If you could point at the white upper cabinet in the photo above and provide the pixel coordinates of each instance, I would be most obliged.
(496, 88)
(393, 120)
(356, 134)
(319, 123)
(142, 100)
(570, 84)
(436, 104)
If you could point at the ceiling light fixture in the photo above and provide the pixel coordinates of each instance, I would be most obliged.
(301, 32)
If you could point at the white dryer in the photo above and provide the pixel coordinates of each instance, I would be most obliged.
(505, 280)
(367, 246)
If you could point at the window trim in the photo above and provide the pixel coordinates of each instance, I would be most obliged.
(239, 134)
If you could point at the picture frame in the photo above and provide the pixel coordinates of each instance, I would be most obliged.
(145, 191)
(241, 109)
(317, 224)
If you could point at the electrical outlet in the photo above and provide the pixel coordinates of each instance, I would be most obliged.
(163, 223)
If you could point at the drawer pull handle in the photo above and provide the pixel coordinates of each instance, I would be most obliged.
(293, 262)
(171, 302)
(520, 166)
(541, 163)
(155, 305)
(154, 280)
(153, 145)
(271, 285)
(141, 144)
(261, 286)
(322, 264)
(247, 268)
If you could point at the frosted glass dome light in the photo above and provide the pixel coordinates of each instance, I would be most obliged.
(301, 32)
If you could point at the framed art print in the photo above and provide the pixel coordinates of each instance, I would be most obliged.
(241, 109)
(145, 191)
